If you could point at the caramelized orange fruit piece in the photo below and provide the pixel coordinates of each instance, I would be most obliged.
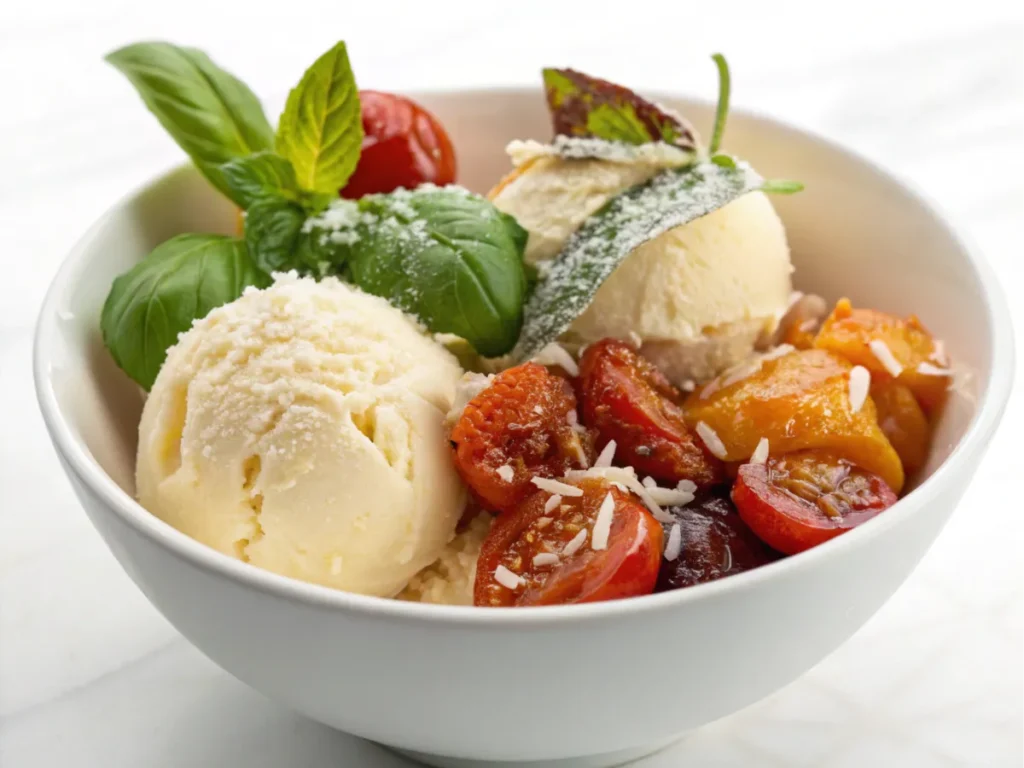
(903, 422)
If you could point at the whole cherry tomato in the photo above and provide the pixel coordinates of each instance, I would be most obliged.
(551, 554)
(628, 400)
(715, 543)
(802, 499)
(403, 146)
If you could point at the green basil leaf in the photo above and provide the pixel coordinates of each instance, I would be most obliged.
(264, 174)
(272, 229)
(444, 255)
(159, 298)
(582, 105)
(672, 198)
(211, 114)
(321, 128)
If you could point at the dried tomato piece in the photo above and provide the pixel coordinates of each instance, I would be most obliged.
(714, 543)
(628, 400)
(545, 554)
(518, 428)
(797, 501)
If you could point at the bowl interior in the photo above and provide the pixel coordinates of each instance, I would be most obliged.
(854, 232)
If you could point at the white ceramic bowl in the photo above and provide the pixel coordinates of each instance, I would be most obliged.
(609, 680)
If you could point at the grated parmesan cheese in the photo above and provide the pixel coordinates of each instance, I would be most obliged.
(603, 524)
(675, 542)
(760, 454)
(573, 546)
(606, 456)
(556, 486)
(860, 383)
(556, 355)
(507, 578)
(545, 558)
(712, 440)
(927, 369)
(506, 473)
(885, 356)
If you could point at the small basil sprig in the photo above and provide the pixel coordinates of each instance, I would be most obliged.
(180, 281)
(211, 114)
(442, 254)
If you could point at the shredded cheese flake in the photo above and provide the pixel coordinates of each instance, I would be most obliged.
(712, 440)
(606, 457)
(555, 486)
(544, 522)
(686, 485)
(927, 369)
(553, 503)
(507, 578)
(885, 356)
(635, 340)
(670, 497)
(603, 524)
(545, 558)
(556, 354)
(506, 473)
(760, 454)
(860, 383)
(573, 546)
(650, 482)
(939, 352)
(675, 542)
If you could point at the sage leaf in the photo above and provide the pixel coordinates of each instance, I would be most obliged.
(179, 282)
(672, 198)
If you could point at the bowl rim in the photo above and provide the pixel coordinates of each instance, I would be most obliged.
(992, 402)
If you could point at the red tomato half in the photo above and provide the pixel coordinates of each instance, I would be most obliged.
(802, 499)
(403, 146)
(574, 571)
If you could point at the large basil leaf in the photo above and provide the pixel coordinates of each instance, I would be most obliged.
(582, 105)
(321, 129)
(180, 281)
(211, 114)
(672, 198)
(259, 176)
(448, 257)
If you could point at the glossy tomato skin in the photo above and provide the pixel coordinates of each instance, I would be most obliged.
(403, 146)
(628, 567)
(628, 400)
(715, 543)
(518, 426)
(803, 499)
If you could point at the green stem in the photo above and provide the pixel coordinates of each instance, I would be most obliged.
(722, 111)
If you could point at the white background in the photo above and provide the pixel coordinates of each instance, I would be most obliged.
(91, 675)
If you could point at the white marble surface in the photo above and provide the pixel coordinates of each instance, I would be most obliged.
(91, 675)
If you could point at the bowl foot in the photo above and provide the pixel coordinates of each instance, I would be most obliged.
(605, 760)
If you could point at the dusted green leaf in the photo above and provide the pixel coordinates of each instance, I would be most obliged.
(211, 114)
(179, 282)
(448, 257)
(264, 174)
(672, 198)
(587, 106)
(321, 129)
(272, 228)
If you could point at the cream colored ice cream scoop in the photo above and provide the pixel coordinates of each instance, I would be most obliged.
(301, 429)
(699, 296)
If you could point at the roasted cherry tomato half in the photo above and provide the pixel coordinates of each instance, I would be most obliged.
(519, 427)
(800, 500)
(715, 543)
(550, 552)
(403, 146)
(628, 400)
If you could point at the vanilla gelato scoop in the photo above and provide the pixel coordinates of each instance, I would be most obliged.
(301, 429)
(700, 296)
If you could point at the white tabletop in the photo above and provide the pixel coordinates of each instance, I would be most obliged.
(91, 675)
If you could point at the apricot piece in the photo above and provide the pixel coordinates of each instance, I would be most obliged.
(903, 422)
(798, 401)
(849, 332)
